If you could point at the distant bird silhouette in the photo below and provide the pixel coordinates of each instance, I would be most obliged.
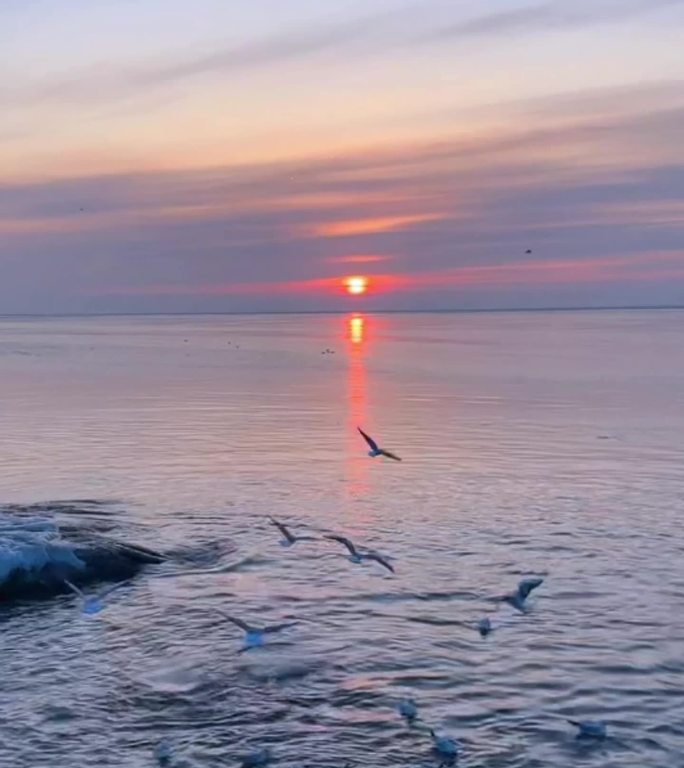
(590, 729)
(528, 251)
(517, 599)
(375, 449)
(288, 538)
(358, 557)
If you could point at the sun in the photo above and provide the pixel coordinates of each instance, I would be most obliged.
(356, 285)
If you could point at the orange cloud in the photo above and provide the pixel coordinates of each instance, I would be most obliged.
(361, 258)
(371, 226)
(627, 267)
(132, 211)
(270, 288)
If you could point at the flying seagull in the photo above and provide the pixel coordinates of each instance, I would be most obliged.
(254, 636)
(444, 745)
(517, 599)
(375, 449)
(590, 729)
(358, 557)
(288, 538)
(93, 604)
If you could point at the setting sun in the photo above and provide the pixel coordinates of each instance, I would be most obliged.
(356, 285)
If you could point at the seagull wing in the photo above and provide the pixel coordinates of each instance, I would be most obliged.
(343, 540)
(74, 589)
(238, 622)
(389, 454)
(273, 628)
(371, 443)
(379, 559)
(283, 529)
(527, 585)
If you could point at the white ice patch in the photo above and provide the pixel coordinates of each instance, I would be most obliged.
(29, 544)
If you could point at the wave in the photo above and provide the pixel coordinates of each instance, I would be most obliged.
(42, 544)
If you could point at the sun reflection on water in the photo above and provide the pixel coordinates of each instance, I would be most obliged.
(356, 328)
(355, 331)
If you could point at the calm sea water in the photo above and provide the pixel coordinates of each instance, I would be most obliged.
(534, 444)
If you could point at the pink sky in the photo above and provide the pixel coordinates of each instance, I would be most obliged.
(251, 155)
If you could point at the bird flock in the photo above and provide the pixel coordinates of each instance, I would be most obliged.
(444, 747)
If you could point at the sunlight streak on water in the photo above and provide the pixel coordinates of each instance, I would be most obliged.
(356, 349)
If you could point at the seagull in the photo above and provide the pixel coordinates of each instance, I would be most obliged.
(256, 759)
(484, 626)
(254, 636)
(289, 538)
(517, 599)
(444, 745)
(93, 604)
(408, 709)
(590, 729)
(375, 449)
(358, 557)
(163, 752)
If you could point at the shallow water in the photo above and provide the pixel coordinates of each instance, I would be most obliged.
(533, 443)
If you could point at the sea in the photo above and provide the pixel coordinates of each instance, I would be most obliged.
(152, 452)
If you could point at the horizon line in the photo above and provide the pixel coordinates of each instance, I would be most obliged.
(249, 313)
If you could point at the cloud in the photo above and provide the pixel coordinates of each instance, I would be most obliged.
(572, 189)
(268, 288)
(409, 26)
(361, 258)
(561, 14)
(631, 267)
(376, 191)
(369, 226)
(100, 84)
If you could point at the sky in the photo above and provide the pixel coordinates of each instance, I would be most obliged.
(209, 156)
